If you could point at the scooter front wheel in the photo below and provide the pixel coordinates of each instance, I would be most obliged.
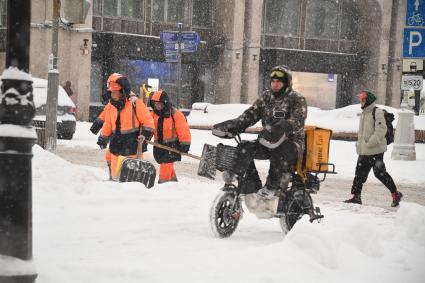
(224, 214)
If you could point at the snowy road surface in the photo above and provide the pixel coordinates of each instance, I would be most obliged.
(335, 188)
(88, 230)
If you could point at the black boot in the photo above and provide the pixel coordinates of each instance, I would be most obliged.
(355, 199)
(110, 172)
(396, 198)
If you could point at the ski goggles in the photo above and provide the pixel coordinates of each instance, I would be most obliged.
(277, 74)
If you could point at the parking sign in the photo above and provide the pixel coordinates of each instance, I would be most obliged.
(414, 43)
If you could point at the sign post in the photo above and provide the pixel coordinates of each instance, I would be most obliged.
(176, 43)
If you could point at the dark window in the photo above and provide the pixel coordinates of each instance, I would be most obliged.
(110, 8)
(3, 12)
(202, 13)
(349, 20)
(119, 8)
(322, 19)
(170, 11)
(281, 17)
(132, 9)
(97, 7)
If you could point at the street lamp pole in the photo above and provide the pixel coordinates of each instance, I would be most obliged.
(53, 83)
(179, 64)
(17, 136)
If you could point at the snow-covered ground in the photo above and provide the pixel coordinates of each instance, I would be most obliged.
(89, 230)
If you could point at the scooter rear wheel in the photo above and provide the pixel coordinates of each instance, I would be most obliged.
(224, 218)
(296, 209)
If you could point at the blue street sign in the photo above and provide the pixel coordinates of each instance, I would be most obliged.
(415, 13)
(172, 58)
(169, 36)
(189, 46)
(189, 43)
(414, 43)
(171, 47)
(191, 36)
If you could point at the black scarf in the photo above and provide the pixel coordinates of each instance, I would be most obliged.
(119, 104)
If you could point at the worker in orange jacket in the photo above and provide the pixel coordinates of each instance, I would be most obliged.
(171, 129)
(126, 117)
(98, 122)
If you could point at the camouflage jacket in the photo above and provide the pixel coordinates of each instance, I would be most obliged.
(291, 105)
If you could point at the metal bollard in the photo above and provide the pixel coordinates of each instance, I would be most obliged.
(404, 140)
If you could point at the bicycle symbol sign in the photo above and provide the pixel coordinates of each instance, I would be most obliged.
(415, 13)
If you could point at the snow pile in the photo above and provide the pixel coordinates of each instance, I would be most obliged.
(87, 230)
(345, 119)
(14, 266)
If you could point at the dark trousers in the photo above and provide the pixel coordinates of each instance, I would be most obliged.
(281, 159)
(364, 164)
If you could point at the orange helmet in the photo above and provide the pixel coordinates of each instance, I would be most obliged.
(112, 82)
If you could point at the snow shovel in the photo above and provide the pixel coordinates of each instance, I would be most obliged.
(138, 170)
(206, 166)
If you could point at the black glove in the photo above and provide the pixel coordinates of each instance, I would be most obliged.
(125, 84)
(227, 129)
(102, 141)
(96, 126)
(184, 148)
(147, 133)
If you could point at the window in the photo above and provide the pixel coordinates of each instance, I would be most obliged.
(281, 17)
(202, 13)
(97, 7)
(3, 12)
(132, 9)
(119, 8)
(349, 20)
(170, 11)
(322, 19)
(110, 8)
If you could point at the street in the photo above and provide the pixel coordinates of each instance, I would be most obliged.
(333, 189)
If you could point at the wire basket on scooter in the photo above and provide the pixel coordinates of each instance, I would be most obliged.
(226, 156)
(234, 159)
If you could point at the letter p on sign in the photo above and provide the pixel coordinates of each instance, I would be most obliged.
(414, 43)
(415, 40)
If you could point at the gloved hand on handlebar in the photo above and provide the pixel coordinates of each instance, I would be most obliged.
(227, 129)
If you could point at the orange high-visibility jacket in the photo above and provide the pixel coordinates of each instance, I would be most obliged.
(102, 114)
(132, 118)
(175, 131)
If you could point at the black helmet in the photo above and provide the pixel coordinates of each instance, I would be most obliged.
(281, 73)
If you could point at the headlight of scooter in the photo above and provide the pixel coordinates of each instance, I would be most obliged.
(228, 177)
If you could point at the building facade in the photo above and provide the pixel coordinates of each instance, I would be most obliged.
(357, 41)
